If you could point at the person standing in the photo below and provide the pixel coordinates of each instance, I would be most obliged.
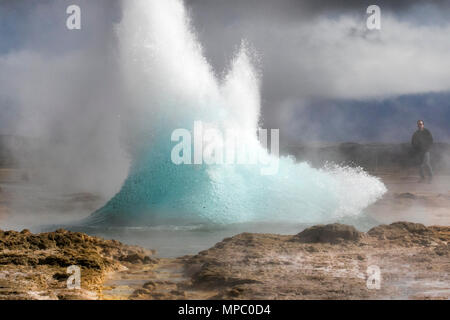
(422, 140)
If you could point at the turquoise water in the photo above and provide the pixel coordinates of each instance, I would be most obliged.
(174, 241)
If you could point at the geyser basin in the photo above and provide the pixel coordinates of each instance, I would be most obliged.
(171, 86)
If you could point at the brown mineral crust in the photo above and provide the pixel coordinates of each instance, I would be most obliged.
(327, 262)
(330, 233)
(321, 262)
(34, 266)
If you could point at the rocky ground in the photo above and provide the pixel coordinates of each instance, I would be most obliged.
(34, 266)
(322, 262)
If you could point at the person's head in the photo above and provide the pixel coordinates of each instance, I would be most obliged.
(420, 124)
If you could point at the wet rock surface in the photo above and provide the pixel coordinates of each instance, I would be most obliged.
(34, 266)
(331, 233)
(322, 262)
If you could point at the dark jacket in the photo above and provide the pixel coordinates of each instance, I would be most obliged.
(422, 141)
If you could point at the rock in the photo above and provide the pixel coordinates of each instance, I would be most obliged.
(178, 293)
(403, 231)
(442, 250)
(234, 292)
(17, 259)
(141, 291)
(149, 285)
(60, 276)
(311, 249)
(330, 233)
(306, 266)
(406, 195)
(56, 260)
(214, 273)
(245, 266)
(136, 258)
(38, 262)
(92, 261)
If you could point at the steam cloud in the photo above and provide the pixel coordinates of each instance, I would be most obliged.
(65, 88)
(67, 92)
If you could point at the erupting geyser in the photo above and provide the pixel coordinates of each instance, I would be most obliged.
(170, 86)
